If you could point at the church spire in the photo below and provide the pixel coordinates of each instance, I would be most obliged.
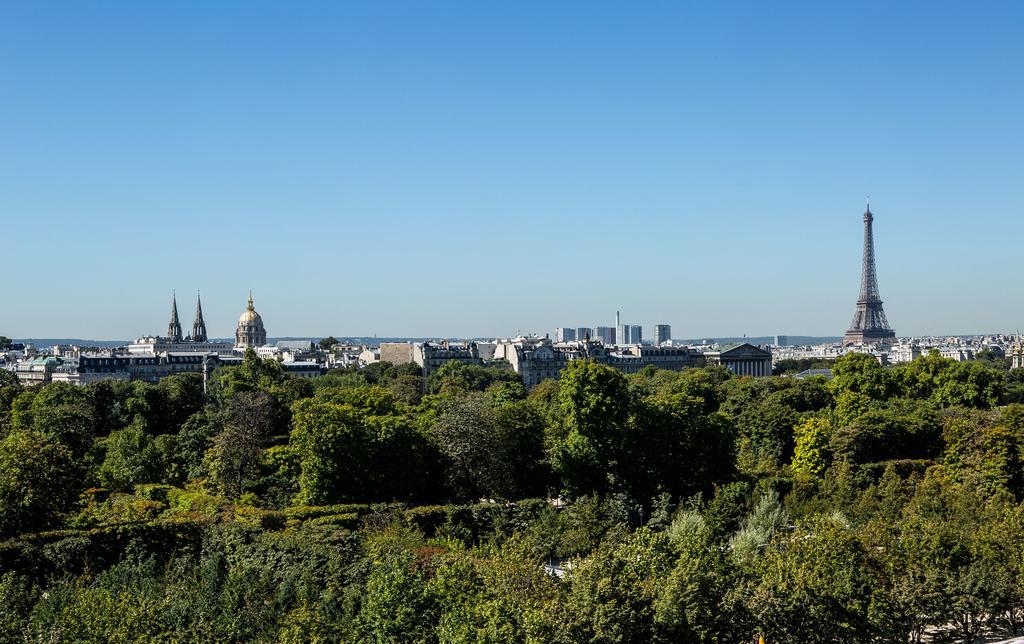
(199, 326)
(174, 327)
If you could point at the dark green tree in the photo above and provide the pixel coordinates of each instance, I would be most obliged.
(38, 482)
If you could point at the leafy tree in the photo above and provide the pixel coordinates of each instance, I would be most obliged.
(184, 398)
(398, 606)
(38, 482)
(189, 446)
(595, 405)
(613, 593)
(797, 365)
(10, 388)
(895, 431)
(132, 457)
(985, 450)
(672, 445)
(696, 602)
(454, 378)
(235, 455)
(491, 452)
(863, 374)
(327, 343)
(767, 519)
(334, 448)
(407, 389)
(21, 409)
(813, 586)
(812, 455)
(970, 384)
(766, 435)
(63, 412)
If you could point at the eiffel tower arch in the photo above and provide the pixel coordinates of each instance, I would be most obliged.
(869, 324)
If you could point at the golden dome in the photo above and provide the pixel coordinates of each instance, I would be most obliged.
(249, 316)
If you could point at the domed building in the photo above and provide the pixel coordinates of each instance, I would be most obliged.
(250, 332)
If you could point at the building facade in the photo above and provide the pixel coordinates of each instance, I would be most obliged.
(742, 359)
(396, 352)
(430, 356)
(537, 359)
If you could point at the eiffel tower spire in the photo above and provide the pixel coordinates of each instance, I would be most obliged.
(199, 326)
(174, 327)
(869, 323)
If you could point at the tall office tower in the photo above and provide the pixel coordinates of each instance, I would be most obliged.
(565, 334)
(662, 334)
(636, 334)
(583, 332)
(869, 324)
(605, 334)
(781, 341)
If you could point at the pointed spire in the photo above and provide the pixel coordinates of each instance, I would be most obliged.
(250, 300)
(174, 327)
(199, 325)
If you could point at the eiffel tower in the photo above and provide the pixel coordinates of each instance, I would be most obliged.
(869, 324)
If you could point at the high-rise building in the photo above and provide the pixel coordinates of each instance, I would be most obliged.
(605, 334)
(781, 341)
(583, 332)
(662, 334)
(564, 334)
(869, 325)
(636, 334)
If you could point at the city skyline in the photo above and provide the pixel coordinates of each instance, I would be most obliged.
(617, 326)
(699, 166)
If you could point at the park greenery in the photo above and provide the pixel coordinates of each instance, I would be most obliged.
(374, 505)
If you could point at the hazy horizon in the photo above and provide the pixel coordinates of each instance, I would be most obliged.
(474, 170)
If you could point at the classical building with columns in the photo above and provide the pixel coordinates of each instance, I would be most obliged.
(742, 359)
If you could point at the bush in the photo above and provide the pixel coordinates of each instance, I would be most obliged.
(349, 521)
(118, 509)
(194, 502)
(153, 492)
(267, 519)
(307, 512)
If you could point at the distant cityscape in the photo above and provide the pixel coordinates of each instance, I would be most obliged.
(534, 357)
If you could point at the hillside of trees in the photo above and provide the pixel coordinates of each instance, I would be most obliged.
(884, 505)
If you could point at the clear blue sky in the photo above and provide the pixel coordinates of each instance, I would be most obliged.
(483, 168)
